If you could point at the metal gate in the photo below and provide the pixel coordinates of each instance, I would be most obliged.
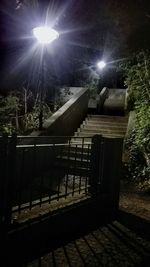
(42, 175)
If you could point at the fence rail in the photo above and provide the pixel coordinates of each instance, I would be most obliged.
(43, 174)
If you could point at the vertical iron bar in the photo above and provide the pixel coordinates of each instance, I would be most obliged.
(59, 176)
(53, 171)
(101, 165)
(75, 161)
(95, 162)
(10, 176)
(82, 150)
(32, 178)
(51, 165)
(41, 189)
(88, 167)
(49, 191)
(68, 167)
(21, 179)
(41, 182)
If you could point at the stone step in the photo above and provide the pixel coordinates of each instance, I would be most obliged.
(99, 122)
(87, 139)
(101, 131)
(71, 160)
(78, 153)
(81, 171)
(76, 141)
(72, 164)
(103, 126)
(80, 146)
(107, 117)
(87, 134)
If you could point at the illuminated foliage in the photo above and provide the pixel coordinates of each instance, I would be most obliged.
(137, 80)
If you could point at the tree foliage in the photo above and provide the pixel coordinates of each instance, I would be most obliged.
(19, 112)
(137, 80)
(9, 108)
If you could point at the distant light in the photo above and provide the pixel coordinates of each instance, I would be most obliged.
(101, 64)
(45, 35)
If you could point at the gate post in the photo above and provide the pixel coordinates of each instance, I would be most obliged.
(3, 167)
(94, 180)
(112, 169)
(7, 159)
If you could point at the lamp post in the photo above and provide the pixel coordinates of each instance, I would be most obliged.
(101, 65)
(44, 35)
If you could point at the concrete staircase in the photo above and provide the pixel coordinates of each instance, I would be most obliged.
(77, 157)
(107, 126)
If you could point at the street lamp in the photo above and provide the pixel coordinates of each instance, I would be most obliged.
(101, 64)
(44, 35)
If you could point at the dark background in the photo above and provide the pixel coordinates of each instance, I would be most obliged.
(91, 30)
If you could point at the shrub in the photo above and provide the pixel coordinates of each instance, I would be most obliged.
(137, 80)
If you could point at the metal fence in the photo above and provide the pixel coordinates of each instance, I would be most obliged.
(41, 174)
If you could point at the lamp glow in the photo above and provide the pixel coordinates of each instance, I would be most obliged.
(101, 64)
(45, 35)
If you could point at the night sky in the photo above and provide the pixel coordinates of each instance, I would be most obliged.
(109, 29)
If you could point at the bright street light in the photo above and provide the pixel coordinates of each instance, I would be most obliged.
(101, 64)
(45, 35)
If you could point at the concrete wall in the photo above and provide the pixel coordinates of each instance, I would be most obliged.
(101, 98)
(96, 105)
(68, 118)
(115, 102)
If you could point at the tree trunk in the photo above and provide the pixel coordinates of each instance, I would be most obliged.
(17, 121)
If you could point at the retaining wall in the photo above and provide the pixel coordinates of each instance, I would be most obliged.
(68, 118)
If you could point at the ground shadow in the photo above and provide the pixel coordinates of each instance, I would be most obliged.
(135, 223)
(123, 241)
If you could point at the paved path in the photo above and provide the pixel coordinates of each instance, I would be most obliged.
(114, 244)
(111, 245)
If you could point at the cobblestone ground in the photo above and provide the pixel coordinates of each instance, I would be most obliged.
(134, 201)
(111, 245)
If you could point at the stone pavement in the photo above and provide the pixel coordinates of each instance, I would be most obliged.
(110, 245)
(121, 243)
